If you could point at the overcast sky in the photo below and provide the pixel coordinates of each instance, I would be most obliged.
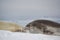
(29, 9)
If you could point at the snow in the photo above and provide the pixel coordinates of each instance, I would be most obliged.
(7, 35)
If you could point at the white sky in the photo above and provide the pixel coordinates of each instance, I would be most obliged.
(29, 9)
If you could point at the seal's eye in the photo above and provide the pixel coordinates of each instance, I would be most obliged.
(28, 25)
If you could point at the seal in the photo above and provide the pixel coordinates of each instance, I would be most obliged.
(44, 27)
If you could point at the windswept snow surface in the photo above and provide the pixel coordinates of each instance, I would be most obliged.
(7, 35)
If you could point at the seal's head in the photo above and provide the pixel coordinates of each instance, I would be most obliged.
(34, 27)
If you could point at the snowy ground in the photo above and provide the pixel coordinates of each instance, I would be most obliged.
(7, 35)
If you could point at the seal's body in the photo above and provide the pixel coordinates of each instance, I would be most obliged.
(44, 26)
